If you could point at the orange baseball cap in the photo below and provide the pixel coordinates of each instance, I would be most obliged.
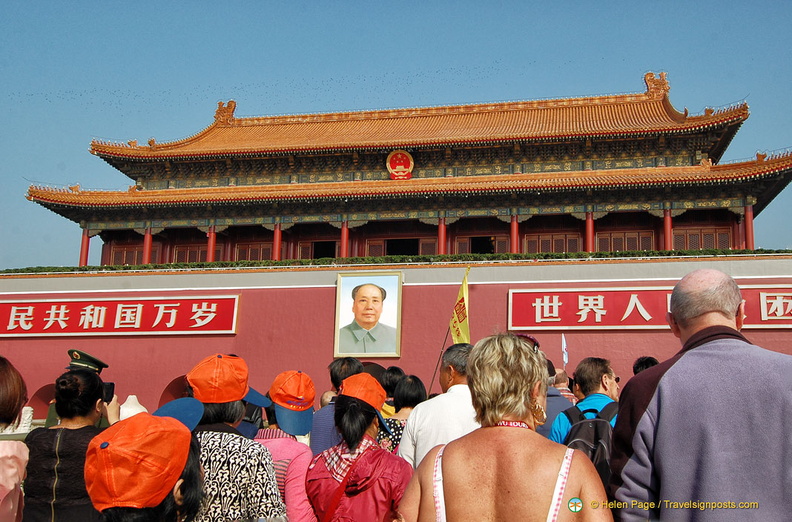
(223, 378)
(136, 462)
(293, 394)
(366, 388)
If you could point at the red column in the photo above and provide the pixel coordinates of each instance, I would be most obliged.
(738, 242)
(167, 252)
(84, 244)
(514, 236)
(147, 246)
(668, 232)
(277, 238)
(210, 245)
(589, 232)
(441, 236)
(344, 239)
(749, 227)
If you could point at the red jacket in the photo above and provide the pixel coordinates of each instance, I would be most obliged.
(375, 487)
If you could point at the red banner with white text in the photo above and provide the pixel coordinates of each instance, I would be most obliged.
(119, 316)
(638, 308)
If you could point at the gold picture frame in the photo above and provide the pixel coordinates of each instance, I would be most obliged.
(368, 326)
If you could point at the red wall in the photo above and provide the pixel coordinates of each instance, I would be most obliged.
(283, 328)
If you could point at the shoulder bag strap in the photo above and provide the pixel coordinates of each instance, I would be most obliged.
(573, 414)
(336, 500)
(609, 411)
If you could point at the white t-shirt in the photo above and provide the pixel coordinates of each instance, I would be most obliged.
(437, 421)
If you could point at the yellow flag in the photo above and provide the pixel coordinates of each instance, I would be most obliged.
(460, 328)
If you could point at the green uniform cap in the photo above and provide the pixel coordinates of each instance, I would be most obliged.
(82, 360)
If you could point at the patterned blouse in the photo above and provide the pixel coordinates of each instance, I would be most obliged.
(391, 443)
(239, 477)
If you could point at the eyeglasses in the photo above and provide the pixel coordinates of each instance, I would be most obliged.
(616, 378)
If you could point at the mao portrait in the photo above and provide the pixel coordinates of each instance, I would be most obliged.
(367, 314)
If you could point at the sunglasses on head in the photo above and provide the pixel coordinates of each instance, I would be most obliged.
(531, 338)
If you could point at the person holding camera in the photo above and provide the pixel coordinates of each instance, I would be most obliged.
(55, 484)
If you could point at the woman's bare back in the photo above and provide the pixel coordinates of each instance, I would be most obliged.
(505, 473)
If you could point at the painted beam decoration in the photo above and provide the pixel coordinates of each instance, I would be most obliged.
(631, 308)
(156, 315)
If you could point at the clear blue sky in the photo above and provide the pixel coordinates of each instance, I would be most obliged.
(74, 71)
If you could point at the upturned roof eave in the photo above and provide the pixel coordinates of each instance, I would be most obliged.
(624, 125)
(110, 155)
(669, 177)
(396, 194)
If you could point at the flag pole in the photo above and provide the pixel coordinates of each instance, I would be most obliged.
(458, 327)
(439, 358)
(564, 352)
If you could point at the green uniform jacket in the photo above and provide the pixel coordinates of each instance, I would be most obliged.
(353, 338)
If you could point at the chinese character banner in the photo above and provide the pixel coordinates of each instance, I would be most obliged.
(119, 316)
(630, 308)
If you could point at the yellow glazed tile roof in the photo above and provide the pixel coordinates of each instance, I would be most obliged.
(703, 174)
(615, 115)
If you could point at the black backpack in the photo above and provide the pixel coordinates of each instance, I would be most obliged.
(593, 436)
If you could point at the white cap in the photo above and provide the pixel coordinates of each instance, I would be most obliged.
(131, 407)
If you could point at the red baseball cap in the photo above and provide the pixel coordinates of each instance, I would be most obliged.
(136, 462)
(293, 394)
(222, 378)
(366, 388)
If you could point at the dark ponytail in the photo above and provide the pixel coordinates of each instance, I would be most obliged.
(76, 393)
(352, 418)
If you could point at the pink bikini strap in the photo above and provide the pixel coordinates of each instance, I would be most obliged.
(437, 487)
(560, 486)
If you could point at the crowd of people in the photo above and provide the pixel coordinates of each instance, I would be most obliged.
(510, 437)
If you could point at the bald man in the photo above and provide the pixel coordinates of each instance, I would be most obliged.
(711, 424)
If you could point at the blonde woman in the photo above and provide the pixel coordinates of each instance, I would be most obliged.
(505, 470)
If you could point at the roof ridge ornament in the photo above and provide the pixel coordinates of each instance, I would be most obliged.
(656, 86)
(225, 113)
